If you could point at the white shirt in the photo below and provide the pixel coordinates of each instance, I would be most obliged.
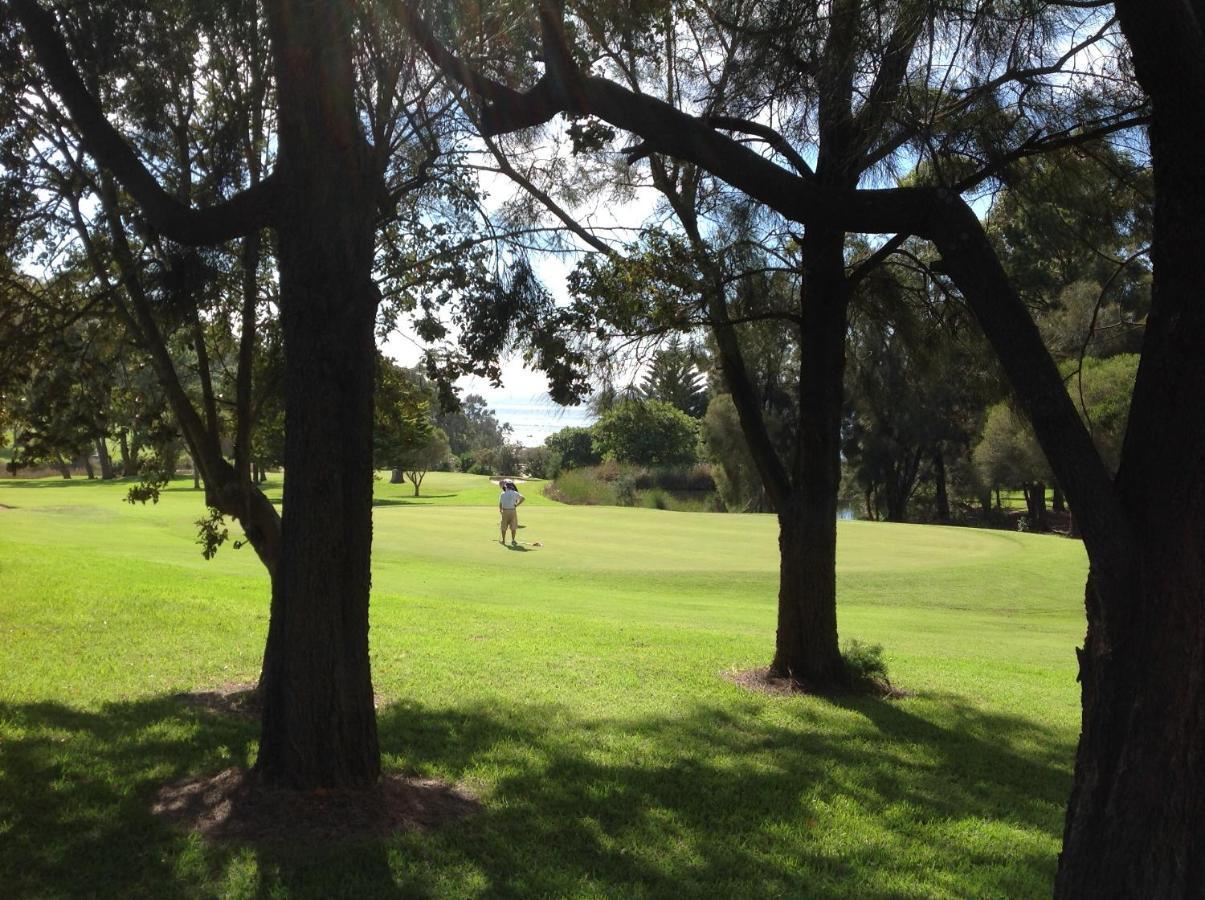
(509, 499)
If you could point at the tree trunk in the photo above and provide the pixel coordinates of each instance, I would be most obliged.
(806, 648)
(106, 463)
(396, 477)
(319, 723)
(1035, 507)
(64, 469)
(127, 464)
(86, 463)
(1058, 503)
(941, 500)
(196, 476)
(1136, 819)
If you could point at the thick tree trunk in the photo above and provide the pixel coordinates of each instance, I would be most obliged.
(1136, 819)
(64, 469)
(1035, 506)
(1058, 503)
(807, 648)
(106, 463)
(86, 463)
(319, 723)
(396, 477)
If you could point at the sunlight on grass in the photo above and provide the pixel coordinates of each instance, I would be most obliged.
(575, 686)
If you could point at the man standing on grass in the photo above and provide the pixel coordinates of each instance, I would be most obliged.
(508, 504)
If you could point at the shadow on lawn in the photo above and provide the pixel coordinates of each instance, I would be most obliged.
(420, 500)
(716, 801)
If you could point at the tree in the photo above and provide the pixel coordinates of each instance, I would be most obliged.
(736, 477)
(339, 168)
(862, 100)
(1136, 819)
(472, 425)
(402, 418)
(571, 448)
(418, 460)
(647, 432)
(672, 378)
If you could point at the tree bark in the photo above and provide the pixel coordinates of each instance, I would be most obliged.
(806, 647)
(106, 463)
(396, 477)
(86, 463)
(319, 723)
(1136, 819)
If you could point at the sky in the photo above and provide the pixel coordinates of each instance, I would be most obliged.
(522, 399)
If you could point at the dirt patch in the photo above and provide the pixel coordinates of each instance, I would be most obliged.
(233, 806)
(760, 681)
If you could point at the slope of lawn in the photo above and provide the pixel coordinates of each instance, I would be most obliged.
(573, 683)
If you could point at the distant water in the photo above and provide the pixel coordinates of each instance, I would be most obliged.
(533, 421)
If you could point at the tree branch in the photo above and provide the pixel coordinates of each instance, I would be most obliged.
(244, 213)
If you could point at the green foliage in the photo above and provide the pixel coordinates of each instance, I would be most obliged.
(472, 425)
(212, 533)
(402, 425)
(673, 378)
(624, 484)
(537, 462)
(737, 480)
(418, 460)
(571, 448)
(1008, 454)
(649, 432)
(864, 662)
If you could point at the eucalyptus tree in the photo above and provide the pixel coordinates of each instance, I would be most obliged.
(180, 128)
(837, 94)
(1136, 819)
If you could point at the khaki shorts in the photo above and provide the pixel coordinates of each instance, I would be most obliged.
(510, 518)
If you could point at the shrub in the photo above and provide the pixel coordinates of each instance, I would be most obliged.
(571, 448)
(648, 433)
(625, 489)
(865, 663)
(537, 462)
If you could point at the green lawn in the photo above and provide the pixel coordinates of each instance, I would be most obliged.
(575, 687)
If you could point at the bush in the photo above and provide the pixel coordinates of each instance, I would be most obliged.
(647, 432)
(571, 448)
(537, 462)
(583, 487)
(865, 663)
(625, 489)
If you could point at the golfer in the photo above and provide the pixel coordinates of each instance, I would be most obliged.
(508, 504)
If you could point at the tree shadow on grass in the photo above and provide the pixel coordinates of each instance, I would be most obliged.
(721, 802)
(722, 799)
(421, 500)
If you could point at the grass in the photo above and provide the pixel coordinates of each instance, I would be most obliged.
(574, 686)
